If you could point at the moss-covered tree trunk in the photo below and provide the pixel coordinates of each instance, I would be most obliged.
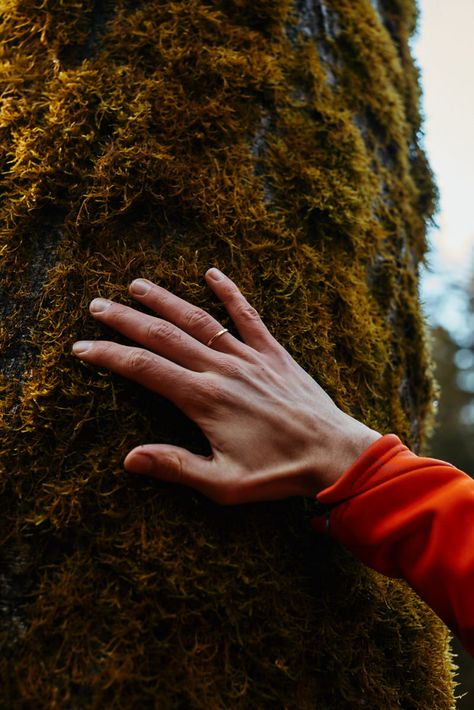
(280, 142)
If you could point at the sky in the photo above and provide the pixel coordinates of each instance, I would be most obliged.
(444, 51)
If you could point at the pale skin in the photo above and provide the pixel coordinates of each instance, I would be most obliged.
(273, 431)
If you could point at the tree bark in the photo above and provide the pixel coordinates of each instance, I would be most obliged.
(279, 142)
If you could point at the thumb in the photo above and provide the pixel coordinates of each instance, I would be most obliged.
(172, 463)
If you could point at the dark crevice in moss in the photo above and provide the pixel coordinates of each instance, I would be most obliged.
(19, 299)
(316, 22)
(100, 13)
(16, 581)
(258, 148)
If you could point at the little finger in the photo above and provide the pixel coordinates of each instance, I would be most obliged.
(249, 324)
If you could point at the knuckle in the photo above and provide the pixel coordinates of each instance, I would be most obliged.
(245, 310)
(172, 461)
(118, 314)
(230, 292)
(210, 393)
(216, 394)
(280, 355)
(138, 360)
(106, 349)
(230, 368)
(197, 397)
(195, 318)
(160, 330)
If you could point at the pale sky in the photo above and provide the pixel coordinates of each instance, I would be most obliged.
(444, 49)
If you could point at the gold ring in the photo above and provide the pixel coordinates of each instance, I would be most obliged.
(214, 337)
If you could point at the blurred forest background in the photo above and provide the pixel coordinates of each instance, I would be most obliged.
(453, 353)
(453, 438)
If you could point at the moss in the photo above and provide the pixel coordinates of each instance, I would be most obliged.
(156, 139)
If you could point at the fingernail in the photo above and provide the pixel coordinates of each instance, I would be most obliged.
(140, 286)
(140, 463)
(82, 346)
(99, 304)
(215, 274)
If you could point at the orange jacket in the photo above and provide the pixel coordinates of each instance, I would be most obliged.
(412, 517)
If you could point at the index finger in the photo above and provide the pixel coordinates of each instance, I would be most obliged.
(178, 384)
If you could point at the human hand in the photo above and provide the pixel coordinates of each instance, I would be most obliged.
(273, 431)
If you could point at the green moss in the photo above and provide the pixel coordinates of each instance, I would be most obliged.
(158, 139)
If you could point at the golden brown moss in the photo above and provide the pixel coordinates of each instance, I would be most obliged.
(156, 139)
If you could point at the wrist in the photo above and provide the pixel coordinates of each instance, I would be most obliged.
(345, 445)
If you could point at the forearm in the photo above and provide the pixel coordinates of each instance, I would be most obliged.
(411, 517)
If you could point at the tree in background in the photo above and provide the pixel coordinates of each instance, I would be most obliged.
(279, 141)
(453, 438)
(453, 354)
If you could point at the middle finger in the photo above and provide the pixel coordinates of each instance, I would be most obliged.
(156, 334)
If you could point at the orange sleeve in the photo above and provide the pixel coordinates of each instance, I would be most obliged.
(412, 517)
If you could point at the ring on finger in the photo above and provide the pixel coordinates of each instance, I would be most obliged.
(217, 335)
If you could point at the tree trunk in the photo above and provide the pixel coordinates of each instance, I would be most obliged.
(279, 142)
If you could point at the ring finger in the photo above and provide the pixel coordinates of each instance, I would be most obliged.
(189, 318)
